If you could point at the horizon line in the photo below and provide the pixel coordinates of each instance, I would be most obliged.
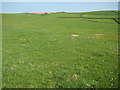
(57, 11)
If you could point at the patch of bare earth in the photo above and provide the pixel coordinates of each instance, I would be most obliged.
(75, 35)
(40, 13)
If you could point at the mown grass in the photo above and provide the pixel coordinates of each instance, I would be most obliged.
(39, 51)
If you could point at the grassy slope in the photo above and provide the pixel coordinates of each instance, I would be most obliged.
(38, 51)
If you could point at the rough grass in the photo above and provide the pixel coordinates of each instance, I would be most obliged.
(39, 52)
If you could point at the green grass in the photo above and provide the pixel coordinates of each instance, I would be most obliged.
(39, 51)
(102, 14)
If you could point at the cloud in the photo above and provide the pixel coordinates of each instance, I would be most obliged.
(60, 0)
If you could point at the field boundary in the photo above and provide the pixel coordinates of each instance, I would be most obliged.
(94, 18)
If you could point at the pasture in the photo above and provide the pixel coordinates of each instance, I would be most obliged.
(45, 51)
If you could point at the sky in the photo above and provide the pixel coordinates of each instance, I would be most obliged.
(60, 0)
(25, 7)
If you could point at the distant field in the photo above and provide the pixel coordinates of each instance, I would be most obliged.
(42, 51)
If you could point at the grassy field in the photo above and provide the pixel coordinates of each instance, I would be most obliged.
(39, 51)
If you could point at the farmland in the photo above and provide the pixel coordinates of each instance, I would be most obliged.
(42, 51)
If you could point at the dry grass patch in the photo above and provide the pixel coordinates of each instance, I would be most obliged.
(100, 34)
(75, 35)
